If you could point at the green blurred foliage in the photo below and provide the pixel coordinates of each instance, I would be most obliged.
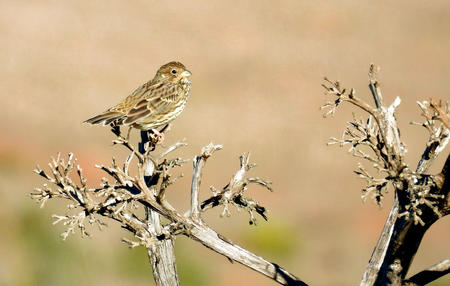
(273, 239)
(133, 262)
(50, 261)
(192, 269)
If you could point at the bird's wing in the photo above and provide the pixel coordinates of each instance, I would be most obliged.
(105, 118)
(157, 100)
(147, 99)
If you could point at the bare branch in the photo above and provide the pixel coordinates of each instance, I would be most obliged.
(436, 116)
(161, 254)
(233, 192)
(199, 162)
(374, 85)
(428, 275)
(224, 246)
(379, 253)
(120, 196)
(172, 148)
(442, 112)
(420, 199)
(401, 236)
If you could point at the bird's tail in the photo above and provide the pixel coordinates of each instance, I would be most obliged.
(107, 118)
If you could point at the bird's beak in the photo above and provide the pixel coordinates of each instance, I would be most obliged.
(186, 73)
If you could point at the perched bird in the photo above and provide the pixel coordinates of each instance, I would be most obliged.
(154, 104)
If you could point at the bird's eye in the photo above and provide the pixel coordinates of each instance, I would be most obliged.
(174, 71)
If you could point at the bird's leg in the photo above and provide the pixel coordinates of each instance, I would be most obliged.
(143, 145)
(150, 138)
(158, 135)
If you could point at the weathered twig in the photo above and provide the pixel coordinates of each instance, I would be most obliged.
(233, 192)
(439, 134)
(199, 162)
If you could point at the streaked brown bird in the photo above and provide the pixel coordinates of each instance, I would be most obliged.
(154, 104)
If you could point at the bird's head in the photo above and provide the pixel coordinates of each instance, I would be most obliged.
(173, 72)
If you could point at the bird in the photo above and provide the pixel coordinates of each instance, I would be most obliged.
(154, 104)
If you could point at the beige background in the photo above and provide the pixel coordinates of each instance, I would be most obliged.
(257, 68)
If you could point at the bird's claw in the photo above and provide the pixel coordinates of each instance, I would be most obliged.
(157, 136)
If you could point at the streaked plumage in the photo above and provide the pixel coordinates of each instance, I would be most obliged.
(153, 104)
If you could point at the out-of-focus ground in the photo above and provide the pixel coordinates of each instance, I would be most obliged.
(257, 68)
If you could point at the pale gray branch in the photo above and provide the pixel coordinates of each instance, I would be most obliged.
(221, 245)
(199, 162)
(377, 258)
(161, 253)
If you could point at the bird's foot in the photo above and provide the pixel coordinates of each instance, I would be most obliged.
(149, 140)
(157, 136)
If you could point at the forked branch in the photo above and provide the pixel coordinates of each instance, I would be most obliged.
(420, 198)
(122, 194)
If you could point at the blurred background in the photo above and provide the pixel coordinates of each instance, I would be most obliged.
(257, 70)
